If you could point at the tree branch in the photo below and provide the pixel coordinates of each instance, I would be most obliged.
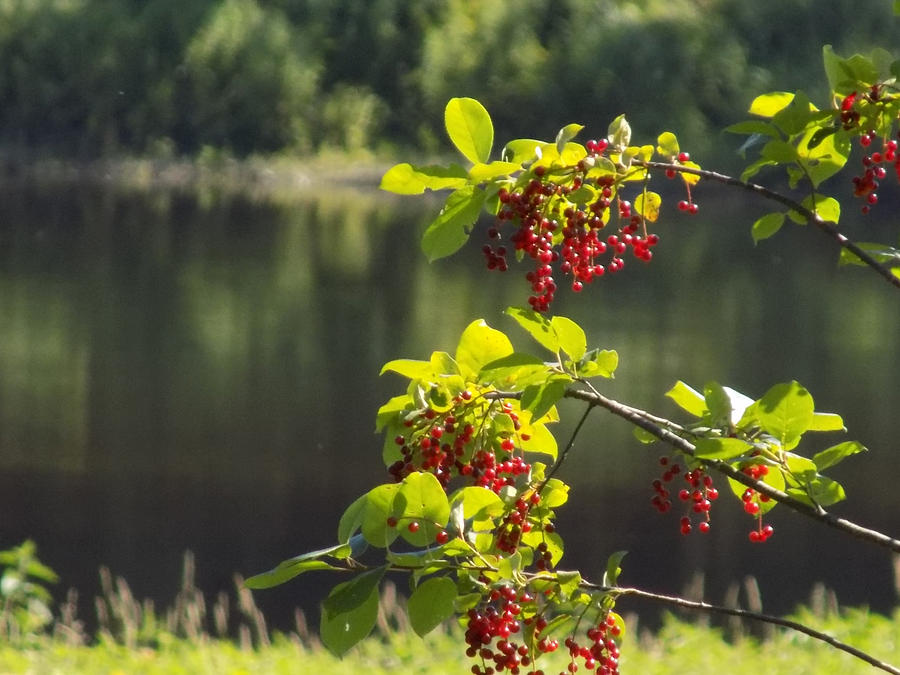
(746, 614)
(811, 217)
(640, 418)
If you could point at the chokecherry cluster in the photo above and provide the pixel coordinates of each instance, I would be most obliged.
(446, 445)
(752, 501)
(602, 654)
(698, 495)
(865, 185)
(554, 227)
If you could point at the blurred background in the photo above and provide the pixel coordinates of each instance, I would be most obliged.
(195, 366)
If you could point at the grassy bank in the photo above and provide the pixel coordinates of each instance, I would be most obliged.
(229, 636)
(681, 646)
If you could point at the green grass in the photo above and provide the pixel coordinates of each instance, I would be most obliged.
(229, 637)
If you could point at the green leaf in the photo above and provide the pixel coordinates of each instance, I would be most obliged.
(834, 70)
(825, 491)
(644, 436)
(554, 493)
(667, 144)
(479, 345)
(411, 368)
(450, 230)
(479, 503)
(541, 441)
(825, 159)
(375, 514)
(285, 572)
(421, 499)
(288, 569)
(431, 604)
(647, 204)
(523, 150)
(767, 105)
(599, 363)
(351, 520)
(537, 326)
(619, 132)
(836, 453)
(540, 398)
(469, 127)
(388, 412)
(350, 611)
(725, 406)
(688, 399)
(571, 337)
(613, 568)
(802, 469)
(481, 173)
(721, 448)
(881, 252)
(826, 422)
(566, 134)
(779, 152)
(406, 179)
(786, 412)
(514, 371)
(766, 226)
(897, 7)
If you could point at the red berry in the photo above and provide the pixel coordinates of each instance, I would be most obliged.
(442, 537)
(413, 527)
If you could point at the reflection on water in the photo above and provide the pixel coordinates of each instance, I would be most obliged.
(201, 371)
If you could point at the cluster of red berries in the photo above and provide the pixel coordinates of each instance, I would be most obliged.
(865, 186)
(499, 619)
(509, 532)
(602, 655)
(752, 503)
(444, 444)
(699, 496)
(551, 230)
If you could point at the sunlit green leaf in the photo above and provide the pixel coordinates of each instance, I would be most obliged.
(779, 152)
(293, 567)
(421, 499)
(825, 159)
(349, 612)
(571, 337)
(485, 172)
(688, 399)
(554, 493)
(406, 179)
(647, 205)
(450, 230)
(667, 144)
(566, 134)
(786, 412)
(469, 127)
(478, 503)
(411, 368)
(613, 568)
(537, 326)
(826, 422)
(801, 469)
(825, 491)
(523, 150)
(351, 520)
(479, 345)
(766, 226)
(514, 372)
(540, 398)
(431, 604)
(767, 105)
(375, 514)
(880, 252)
(619, 132)
(541, 441)
(836, 453)
(721, 448)
(599, 363)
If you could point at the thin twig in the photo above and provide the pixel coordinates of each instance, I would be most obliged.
(569, 446)
(746, 614)
(811, 217)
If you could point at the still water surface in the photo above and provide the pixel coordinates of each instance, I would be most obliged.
(200, 371)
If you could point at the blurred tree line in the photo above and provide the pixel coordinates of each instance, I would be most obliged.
(167, 77)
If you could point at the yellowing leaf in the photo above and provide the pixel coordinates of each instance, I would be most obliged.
(647, 204)
(766, 105)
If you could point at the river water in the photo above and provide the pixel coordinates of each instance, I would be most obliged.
(199, 370)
